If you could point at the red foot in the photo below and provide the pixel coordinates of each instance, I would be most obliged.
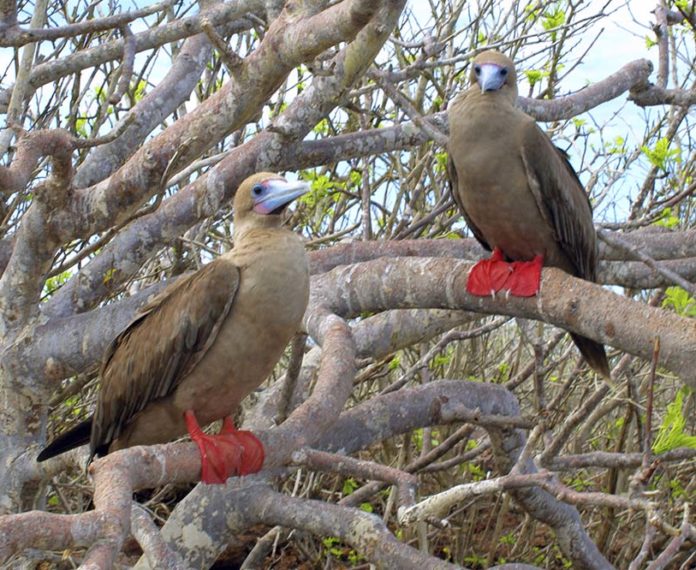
(231, 452)
(525, 279)
(489, 275)
(520, 278)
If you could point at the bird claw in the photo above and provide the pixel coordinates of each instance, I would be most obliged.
(230, 452)
(519, 278)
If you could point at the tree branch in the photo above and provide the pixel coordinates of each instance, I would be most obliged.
(565, 301)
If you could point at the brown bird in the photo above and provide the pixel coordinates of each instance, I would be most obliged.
(197, 349)
(517, 192)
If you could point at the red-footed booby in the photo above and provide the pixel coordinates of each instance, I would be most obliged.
(198, 348)
(517, 193)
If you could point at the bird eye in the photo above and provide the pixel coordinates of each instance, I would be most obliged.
(477, 70)
(503, 72)
(257, 190)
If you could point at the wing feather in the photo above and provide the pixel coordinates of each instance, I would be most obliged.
(161, 346)
(561, 199)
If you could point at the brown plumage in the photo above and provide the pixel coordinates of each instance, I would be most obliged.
(209, 339)
(516, 190)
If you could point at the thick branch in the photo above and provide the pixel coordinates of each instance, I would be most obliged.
(573, 304)
(16, 37)
(289, 41)
(630, 75)
(88, 333)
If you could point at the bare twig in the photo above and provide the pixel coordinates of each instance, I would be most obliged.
(292, 373)
(615, 241)
(126, 70)
(322, 461)
(16, 37)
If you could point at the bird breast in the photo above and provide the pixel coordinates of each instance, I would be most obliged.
(267, 311)
(494, 189)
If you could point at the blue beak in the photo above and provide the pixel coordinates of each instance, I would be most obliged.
(492, 77)
(272, 195)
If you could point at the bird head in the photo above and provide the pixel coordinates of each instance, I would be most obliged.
(494, 72)
(263, 197)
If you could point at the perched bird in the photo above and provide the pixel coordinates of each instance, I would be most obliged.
(197, 349)
(517, 192)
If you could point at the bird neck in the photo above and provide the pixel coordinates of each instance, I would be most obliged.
(262, 228)
(246, 226)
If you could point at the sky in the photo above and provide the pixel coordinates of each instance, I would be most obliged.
(622, 40)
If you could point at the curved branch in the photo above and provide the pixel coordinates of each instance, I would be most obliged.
(267, 150)
(366, 532)
(445, 401)
(634, 73)
(121, 473)
(655, 95)
(203, 197)
(565, 301)
(290, 40)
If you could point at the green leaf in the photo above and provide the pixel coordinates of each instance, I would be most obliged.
(660, 155)
(322, 127)
(355, 178)
(667, 219)
(81, 126)
(108, 275)
(394, 362)
(441, 161)
(139, 90)
(349, 486)
(53, 283)
(532, 12)
(534, 76)
(671, 434)
(679, 300)
(441, 360)
(553, 18)
(476, 471)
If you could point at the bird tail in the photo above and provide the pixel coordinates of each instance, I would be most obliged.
(594, 354)
(74, 437)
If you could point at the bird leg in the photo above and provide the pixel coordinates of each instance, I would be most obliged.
(489, 275)
(519, 278)
(230, 452)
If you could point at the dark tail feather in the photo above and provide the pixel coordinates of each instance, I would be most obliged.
(75, 437)
(594, 354)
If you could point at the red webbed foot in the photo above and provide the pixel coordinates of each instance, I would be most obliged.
(231, 452)
(253, 453)
(489, 275)
(519, 278)
(525, 279)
